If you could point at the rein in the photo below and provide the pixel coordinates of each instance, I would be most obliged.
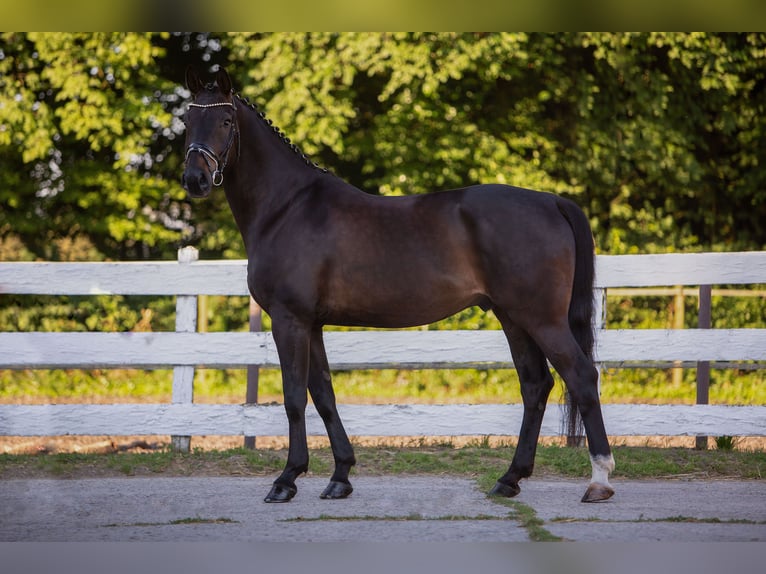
(208, 153)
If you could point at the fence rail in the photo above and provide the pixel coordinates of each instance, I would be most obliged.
(367, 420)
(200, 277)
(186, 349)
(359, 349)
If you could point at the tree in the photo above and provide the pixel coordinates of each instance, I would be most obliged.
(658, 136)
(85, 121)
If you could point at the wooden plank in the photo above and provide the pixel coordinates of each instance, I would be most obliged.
(368, 420)
(358, 349)
(680, 269)
(186, 322)
(135, 350)
(622, 345)
(628, 292)
(138, 419)
(125, 278)
(228, 277)
(417, 349)
(684, 420)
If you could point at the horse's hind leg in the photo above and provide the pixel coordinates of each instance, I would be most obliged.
(320, 387)
(536, 384)
(581, 379)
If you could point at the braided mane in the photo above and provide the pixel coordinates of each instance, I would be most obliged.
(279, 133)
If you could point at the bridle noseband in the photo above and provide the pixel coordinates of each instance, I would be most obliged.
(209, 154)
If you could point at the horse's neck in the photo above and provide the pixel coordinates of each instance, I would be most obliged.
(266, 177)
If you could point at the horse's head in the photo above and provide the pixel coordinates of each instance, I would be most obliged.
(211, 128)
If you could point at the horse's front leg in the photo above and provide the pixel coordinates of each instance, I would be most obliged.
(292, 338)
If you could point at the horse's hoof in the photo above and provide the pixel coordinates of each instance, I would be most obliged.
(597, 493)
(337, 489)
(504, 490)
(280, 493)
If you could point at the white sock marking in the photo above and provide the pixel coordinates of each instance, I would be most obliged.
(602, 465)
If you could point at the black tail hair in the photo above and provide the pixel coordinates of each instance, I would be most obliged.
(581, 305)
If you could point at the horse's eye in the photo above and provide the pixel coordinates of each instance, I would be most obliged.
(227, 122)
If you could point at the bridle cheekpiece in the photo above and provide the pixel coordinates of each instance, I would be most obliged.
(218, 165)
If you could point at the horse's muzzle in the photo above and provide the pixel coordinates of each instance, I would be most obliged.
(196, 182)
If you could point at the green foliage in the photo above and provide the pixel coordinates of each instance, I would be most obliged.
(645, 130)
(80, 117)
(91, 313)
(725, 442)
(659, 136)
(477, 460)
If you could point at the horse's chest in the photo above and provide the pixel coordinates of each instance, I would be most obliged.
(271, 281)
(260, 282)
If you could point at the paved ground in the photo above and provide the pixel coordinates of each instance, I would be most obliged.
(392, 509)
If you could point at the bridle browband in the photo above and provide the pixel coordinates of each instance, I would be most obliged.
(209, 154)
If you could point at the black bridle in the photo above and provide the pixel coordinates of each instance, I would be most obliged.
(218, 164)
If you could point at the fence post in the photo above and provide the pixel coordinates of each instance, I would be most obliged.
(703, 367)
(251, 395)
(599, 318)
(186, 322)
(678, 323)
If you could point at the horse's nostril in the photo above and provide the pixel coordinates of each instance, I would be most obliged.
(196, 183)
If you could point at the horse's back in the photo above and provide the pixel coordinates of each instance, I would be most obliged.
(487, 228)
(518, 221)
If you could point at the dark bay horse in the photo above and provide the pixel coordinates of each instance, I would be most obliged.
(321, 251)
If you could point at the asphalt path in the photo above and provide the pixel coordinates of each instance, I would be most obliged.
(397, 509)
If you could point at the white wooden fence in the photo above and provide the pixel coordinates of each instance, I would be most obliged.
(186, 349)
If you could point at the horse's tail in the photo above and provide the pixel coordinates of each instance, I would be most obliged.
(581, 305)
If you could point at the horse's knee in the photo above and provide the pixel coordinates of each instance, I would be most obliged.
(294, 416)
(296, 411)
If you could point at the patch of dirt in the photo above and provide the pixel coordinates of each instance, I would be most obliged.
(108, 444)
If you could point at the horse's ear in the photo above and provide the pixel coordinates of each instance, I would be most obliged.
(193, 81)
(223, 81)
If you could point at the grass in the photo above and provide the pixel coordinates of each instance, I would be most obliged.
(178, 522)
(478, 461)
(673, 519)
(725, 442)
(414, 517)
(527, 518)
(163, 462)
(525, 515)
(383, 386)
